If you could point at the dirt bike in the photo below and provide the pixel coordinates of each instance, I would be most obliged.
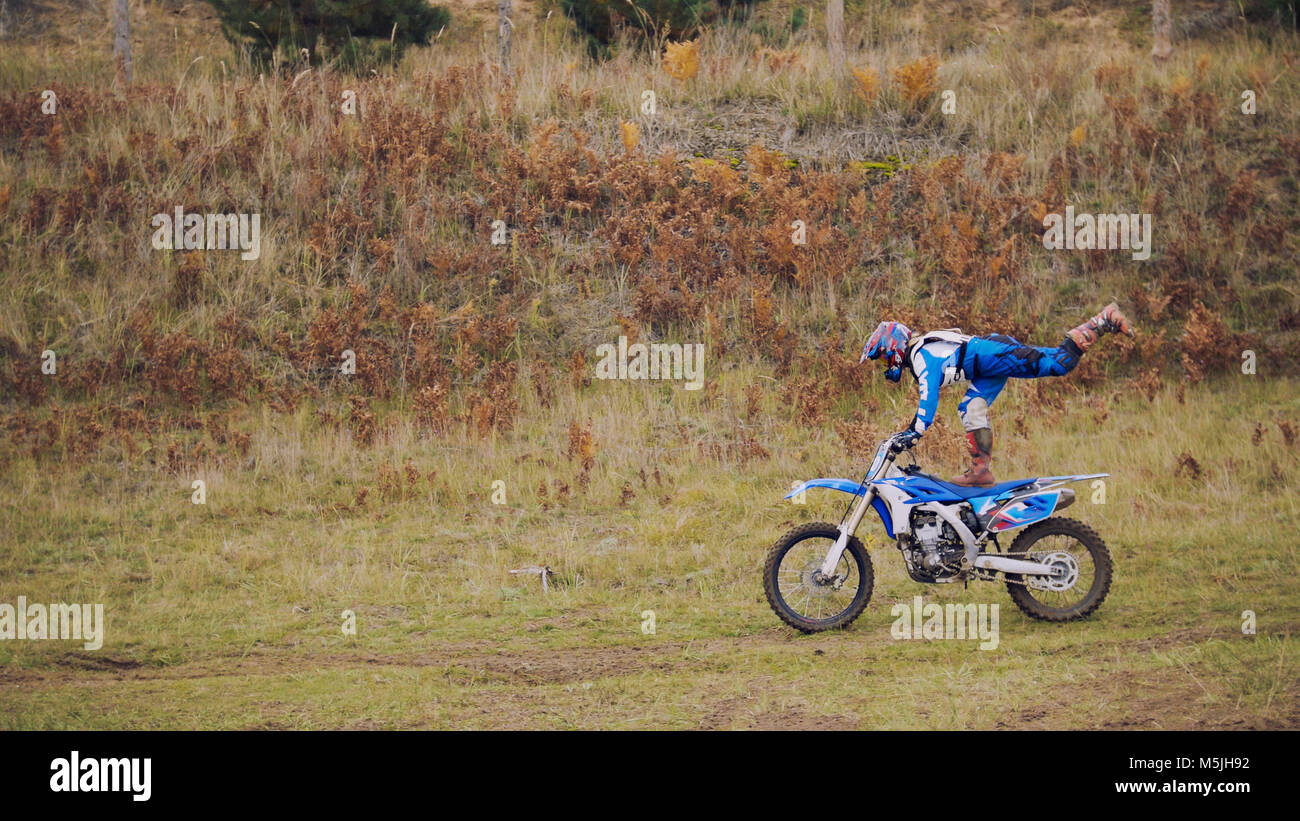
(819, 576)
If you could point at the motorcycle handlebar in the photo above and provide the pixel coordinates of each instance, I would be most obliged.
(897, 445)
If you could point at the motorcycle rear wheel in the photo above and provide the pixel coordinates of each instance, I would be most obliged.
(1093, 570)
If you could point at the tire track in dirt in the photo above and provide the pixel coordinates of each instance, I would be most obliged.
(484, 662)
(473, 661)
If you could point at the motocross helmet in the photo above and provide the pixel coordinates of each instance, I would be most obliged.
(889, 341)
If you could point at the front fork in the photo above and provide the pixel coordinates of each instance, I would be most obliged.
(847, 528)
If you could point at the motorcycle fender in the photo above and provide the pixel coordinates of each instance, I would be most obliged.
(889, 502)
(849, 486)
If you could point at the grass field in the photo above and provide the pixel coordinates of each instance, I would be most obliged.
(229, 614)
(474, 440)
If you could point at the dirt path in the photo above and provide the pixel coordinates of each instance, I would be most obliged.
(512, 688)
(486, 661)
(545, 666)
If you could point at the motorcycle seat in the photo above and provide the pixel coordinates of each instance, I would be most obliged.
(972, 492)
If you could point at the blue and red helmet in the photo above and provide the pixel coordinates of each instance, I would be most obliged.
(889, 341)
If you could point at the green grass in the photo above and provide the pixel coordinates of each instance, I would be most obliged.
(221, 615)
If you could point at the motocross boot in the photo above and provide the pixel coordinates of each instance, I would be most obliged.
(981, 454)
(1110, 320)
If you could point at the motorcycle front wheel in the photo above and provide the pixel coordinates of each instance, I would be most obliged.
(798, 592)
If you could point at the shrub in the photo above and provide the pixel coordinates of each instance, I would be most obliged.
(679, 19)
(598, 19)
(355, 34)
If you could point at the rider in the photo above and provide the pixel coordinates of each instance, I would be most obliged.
(942, 358)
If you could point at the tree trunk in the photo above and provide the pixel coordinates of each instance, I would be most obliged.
(122, 41)
(503, 32)
(1162, 23)
(835, 30)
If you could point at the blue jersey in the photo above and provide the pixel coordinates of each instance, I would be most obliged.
(933, 361)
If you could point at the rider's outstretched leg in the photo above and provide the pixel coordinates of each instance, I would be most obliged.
(1110, 320)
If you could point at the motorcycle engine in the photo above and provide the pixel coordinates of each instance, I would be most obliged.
(934, 550)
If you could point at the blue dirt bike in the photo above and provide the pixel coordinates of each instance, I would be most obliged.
(819, 576)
